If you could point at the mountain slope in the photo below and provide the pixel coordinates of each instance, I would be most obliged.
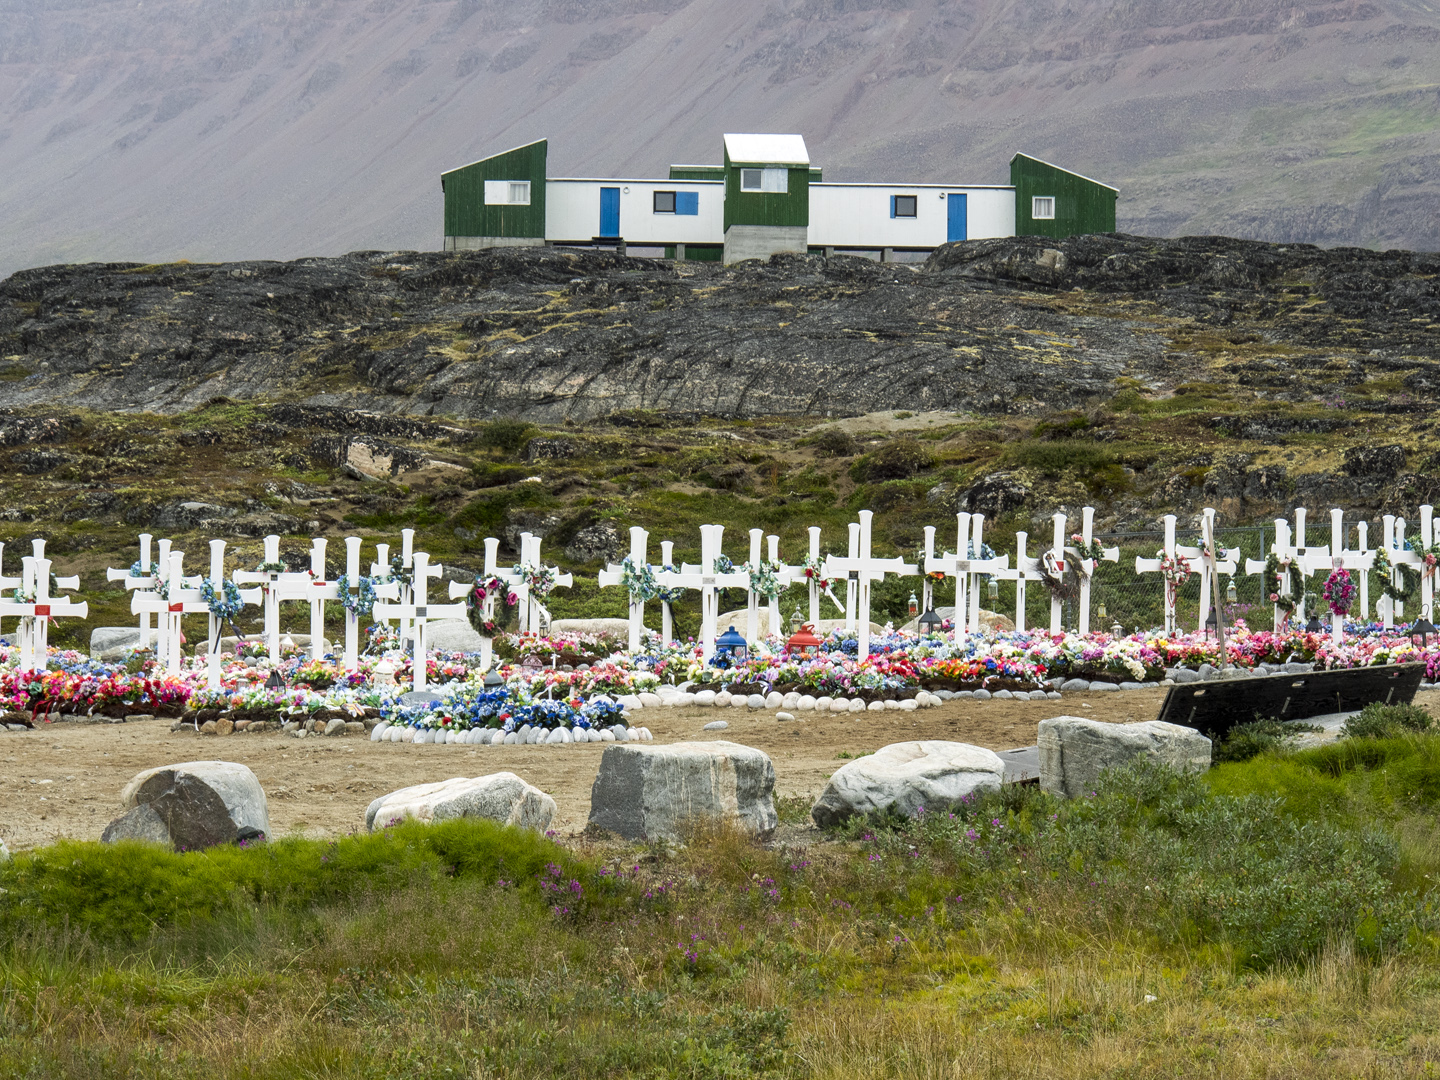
(176, 128)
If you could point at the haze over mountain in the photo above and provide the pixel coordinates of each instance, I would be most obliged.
(229, 129)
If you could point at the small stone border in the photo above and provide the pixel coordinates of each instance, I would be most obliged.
(525, 735)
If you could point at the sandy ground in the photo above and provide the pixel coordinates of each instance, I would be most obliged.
(64, 780)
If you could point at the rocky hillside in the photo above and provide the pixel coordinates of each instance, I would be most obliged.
(574, 394)
(170, 129)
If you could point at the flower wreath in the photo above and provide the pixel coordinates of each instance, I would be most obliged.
(405, 575)
(723, 565)
(814, 571)
(1054, 577)
(541, 579)
(639, 580)
(475, 605)
(1175, 569)
(1339, 591)
(1277, 573)
(669, 596)
(224, 605)
(1091, 552)
(362, 601)
(986, 552)
(764, 578)
(268, 568)
(1409, 585)
(1429, 556)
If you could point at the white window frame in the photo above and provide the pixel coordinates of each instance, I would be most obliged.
(770, 181)
(507, 192)
(1042, 208)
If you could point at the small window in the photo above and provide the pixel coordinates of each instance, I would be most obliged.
(1042, 207)
(507, 192)
(904, 206)
(664, 202)
(771, 180)
(520, 192)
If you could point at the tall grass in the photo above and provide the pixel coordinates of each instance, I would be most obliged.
(1274, 918)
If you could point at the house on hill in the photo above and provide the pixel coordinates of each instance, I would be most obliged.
(766, 197)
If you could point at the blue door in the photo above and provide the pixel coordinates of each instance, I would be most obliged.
(609, 211)
(955, 219)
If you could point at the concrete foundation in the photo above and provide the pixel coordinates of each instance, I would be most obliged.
(761, 241)
(480, 243)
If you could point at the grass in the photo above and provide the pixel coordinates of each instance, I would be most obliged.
(1167, 926)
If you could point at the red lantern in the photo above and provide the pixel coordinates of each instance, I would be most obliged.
(804, 641)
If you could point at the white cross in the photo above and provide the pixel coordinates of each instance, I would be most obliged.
(1027, 569)
(1393, 543)
(268, 580)
(1222, 562)
(146, 581)
(183, 599)
(862, 569)
(217, 628)
(389, 590)
(752, 599)
(487, 612)
(708, 580)
(1056, 556)
(534, 616)
(813, 584)
(667, 616)
(1415, 560)
(614, 574)
(1285, 553)
(962, 568)
(418, 613)
(35, 614)
(9, 583)
(311, 588)
(1087, 567)
(407, 562)
(1337, 558)
(1153, 566)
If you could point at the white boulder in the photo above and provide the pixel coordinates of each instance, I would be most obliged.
(501, 797)
(931, 774)
(192, 805)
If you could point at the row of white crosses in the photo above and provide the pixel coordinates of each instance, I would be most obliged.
(861, 568)
(966, 566)
(35, 613)
(1209, 567)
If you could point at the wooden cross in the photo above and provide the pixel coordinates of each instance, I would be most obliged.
(534, 616)
(183, 599)
(614, 574)
(962, 568)
(1285, 553)
(1087, 567)
(709, 581)
(269, 580)
(217, 627)
(862, 569)
(34, 614)
(1153, 566)
(313, 589)
(814, 589)
(1027, 569)
(1223, 562)
(459, 589)
(146, 581)
(389, 590)
(1337, 558)
(417, 613)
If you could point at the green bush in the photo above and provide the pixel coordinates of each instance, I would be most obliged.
(1059, 458)
(509, 436)
(897, 460)
(124, 891)
(1378, 721)
(1260, 736)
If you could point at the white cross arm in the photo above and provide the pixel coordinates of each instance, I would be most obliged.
(47, 609)
(419, 611)
(1312, 563)
(607, 577)
(1146, 566)
(142, 602)
(736, 579)
(1255, 566)
(145, 581)
(842, 566)
(953, 565)
(1111, 554)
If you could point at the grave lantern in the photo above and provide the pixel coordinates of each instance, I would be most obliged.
(804, 642)
(384, 674)
(275, 682)
(992, 589)
(930, 622)
(1230, 594)
(912, 606)
(1314, 626)
(796, 621)
(732, 646)
(1212, 624)
(1101, 611)
(1422, 630)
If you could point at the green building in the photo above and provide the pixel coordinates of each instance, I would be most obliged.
(1051, 201)
(497, 201)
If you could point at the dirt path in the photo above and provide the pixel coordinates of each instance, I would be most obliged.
(64, 780)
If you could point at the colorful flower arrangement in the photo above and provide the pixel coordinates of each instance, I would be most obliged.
(1339, 591)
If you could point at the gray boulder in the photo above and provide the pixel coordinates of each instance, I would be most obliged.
(646, 791)
(930, 773)
(110, 643)
(452, 635)
(1075, 751)
(600, 542)
(502, 797)
(193, 805)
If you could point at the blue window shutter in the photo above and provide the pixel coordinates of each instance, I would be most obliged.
(892, 206)
(687, 202)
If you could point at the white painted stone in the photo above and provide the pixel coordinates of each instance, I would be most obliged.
(909, 705)
(1074, 751)
(806, 702)
(685, 698)
(631, 701)
(1003, 695)
(406, 736)
(934, 774)
(722, 699)
(377, 733)
(607, 735)
(840, 704)
(755, 701)
(774, 699)
(512, 738)
(824, 702)
(890, 704)
(502, 797)
(784, 716)
(790, 701)
(858, 705)
(716, 725)
(874, 706)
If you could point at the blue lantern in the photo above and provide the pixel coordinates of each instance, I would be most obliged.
(732, 646)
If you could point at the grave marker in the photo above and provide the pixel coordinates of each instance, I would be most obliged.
(862, 570)
(417, 613)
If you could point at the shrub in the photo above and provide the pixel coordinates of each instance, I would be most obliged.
(1378, 721)
(506, 435)
(832, 442)
(898, 460)
(1260, 736)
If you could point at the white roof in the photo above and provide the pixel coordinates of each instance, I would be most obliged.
(768, 149)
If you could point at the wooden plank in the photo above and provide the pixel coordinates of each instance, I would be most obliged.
(1213, 708)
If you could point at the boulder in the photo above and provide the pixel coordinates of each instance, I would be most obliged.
(501, 797)
(600, 542)
(1074, 751)
(193, 805)
(452, 635)
(615, 627)
(228, 643)
(989, 620)
(645, 791)
(930, 773)
(109, 644)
